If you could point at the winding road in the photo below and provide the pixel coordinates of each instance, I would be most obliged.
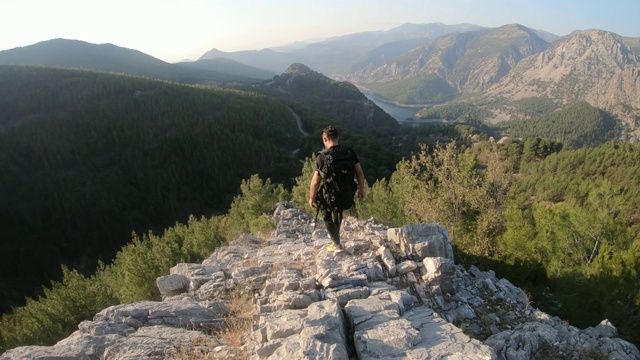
(299, 122)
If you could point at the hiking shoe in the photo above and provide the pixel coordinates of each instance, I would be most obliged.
(334, 247)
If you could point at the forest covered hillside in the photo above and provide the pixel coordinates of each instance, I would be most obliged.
(339, 100)
(87, 158)
(577, 125)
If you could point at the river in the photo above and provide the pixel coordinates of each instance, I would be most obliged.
(403, 114)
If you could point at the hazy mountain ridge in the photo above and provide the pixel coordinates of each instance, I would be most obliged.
(336, 55)
(430, 63)
(66, 53)
(266, 59)
(228, 67)
(80, 54)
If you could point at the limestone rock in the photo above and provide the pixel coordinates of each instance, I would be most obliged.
(316, 332)
(422, 240)
(388, 260)
(174, 284)
(391, 294)
(186, 314)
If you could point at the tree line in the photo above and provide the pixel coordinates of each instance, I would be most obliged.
(576, 125)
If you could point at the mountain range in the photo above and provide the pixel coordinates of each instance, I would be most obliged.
(111, 58)
(413, 63)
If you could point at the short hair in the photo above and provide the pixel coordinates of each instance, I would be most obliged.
(331, 132)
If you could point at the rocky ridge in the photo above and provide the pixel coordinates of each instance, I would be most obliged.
(592, 65)
(391, 294)
(469, 62)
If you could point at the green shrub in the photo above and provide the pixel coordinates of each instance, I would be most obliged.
(249, 211)
(57, 312)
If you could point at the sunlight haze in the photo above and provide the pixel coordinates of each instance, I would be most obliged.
(175, 30)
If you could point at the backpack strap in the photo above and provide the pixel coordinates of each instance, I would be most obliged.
(317, 212)
(322, 155)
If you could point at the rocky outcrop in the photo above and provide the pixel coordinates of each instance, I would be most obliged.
(592, 65)
(391, 294)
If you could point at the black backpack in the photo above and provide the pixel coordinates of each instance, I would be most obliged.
(337, 188)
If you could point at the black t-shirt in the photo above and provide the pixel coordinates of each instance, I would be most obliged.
(320, 159)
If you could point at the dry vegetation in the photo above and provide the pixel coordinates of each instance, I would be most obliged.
(230, 336)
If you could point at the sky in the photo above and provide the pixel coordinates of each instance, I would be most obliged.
(176, 30)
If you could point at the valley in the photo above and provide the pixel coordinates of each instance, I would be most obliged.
(104, 146)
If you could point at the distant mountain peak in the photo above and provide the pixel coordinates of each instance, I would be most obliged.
(298, 69)
(514, 26)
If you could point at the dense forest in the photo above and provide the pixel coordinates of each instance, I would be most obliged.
(454, 111)
(577, 125)
(575, 218)
(142, 174)
(577, 256)
(87, 158)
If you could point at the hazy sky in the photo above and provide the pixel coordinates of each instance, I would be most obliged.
(174, 30)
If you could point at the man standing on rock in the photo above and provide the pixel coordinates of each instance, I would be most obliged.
(332, 186)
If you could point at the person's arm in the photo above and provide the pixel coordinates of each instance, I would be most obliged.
(313, 188)
(361, 181)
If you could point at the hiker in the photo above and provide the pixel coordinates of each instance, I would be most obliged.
(332, 186)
